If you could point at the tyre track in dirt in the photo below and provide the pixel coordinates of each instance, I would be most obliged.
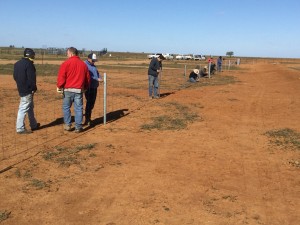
(262, 174)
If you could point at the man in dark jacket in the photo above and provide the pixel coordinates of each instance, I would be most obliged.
(155, 67)
(25, 77)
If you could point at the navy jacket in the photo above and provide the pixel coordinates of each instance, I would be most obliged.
(25, 76)
(154, 66)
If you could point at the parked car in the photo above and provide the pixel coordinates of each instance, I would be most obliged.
(187, 57)
(151, 56)
(168, 56)
(199, 57)
(179, 57)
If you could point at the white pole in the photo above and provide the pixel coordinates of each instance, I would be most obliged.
(209, 65)
(184, 70)
(104, 98)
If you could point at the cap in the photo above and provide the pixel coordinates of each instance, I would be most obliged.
(28, 52)
(161, 57)
(93, 57)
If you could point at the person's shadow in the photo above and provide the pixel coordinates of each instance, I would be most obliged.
(110, 117)
(163, 95)
(56, 122)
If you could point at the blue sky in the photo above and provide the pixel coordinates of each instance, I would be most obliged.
(262, 28)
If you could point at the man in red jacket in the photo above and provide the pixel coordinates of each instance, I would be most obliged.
(73, 79)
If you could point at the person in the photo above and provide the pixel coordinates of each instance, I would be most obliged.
(25, 76)
(194, 76)
(91, 92)
(73, 79)
(219, 64)
(212, 65)
(204, 72)
(155, 67)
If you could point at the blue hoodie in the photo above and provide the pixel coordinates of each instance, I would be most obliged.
(94, 74)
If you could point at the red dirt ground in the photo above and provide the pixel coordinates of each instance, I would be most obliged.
(219, 170)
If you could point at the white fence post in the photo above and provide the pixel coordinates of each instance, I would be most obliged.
(104, 98)
(209, 65)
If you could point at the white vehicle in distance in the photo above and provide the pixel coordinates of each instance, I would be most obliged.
(179, 57)
(199, 57)
(151, 56)
(187, 57)
(184, 57)
(168, 56)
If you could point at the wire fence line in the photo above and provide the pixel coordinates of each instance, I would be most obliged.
(127, 90)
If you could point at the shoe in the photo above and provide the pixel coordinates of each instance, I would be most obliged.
(67, 127)
(87, 122)
(150, 97)
(78, 130)
(24, 132)
(156, 97)
(37, 127)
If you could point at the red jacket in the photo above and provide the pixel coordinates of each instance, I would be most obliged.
(73, 73)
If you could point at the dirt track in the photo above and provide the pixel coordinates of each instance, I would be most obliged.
(220, 170)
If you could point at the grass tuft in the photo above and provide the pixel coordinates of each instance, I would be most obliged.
(4, 215)
(179, 119)
(286, 138)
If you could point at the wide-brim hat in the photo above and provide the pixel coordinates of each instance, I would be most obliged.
(196, 71)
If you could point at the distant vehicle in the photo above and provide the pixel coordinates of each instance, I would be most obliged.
(151, 56)
(168, 56)
(179, 57)
(184, 57)
(187, 57)
(199, 57)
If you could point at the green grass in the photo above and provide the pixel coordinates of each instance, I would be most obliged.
(285, 138)
(217, 80)
(38, 184)
(4, 215)
(179, 118)
(67, 156)
(295, 68)
(41, 69)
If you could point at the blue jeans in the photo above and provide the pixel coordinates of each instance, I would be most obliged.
(26, 107)
(69, 98)
(192, 80)
(153, 84)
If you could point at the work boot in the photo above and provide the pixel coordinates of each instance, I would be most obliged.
(67, 127)
(37, 127)
(24, 132)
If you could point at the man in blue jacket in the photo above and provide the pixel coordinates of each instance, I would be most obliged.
(91, 92)
(25, 77)
(155, 67)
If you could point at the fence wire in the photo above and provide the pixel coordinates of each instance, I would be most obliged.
(127, 90)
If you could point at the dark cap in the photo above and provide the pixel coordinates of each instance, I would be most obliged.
(28, 52)
(161, 57)
(93, 57)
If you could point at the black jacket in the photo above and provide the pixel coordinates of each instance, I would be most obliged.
(25, 76)
(154, 66)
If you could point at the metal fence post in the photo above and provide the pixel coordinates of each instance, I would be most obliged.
(104, 98)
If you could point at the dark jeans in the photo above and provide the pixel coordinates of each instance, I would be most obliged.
(90, 96)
